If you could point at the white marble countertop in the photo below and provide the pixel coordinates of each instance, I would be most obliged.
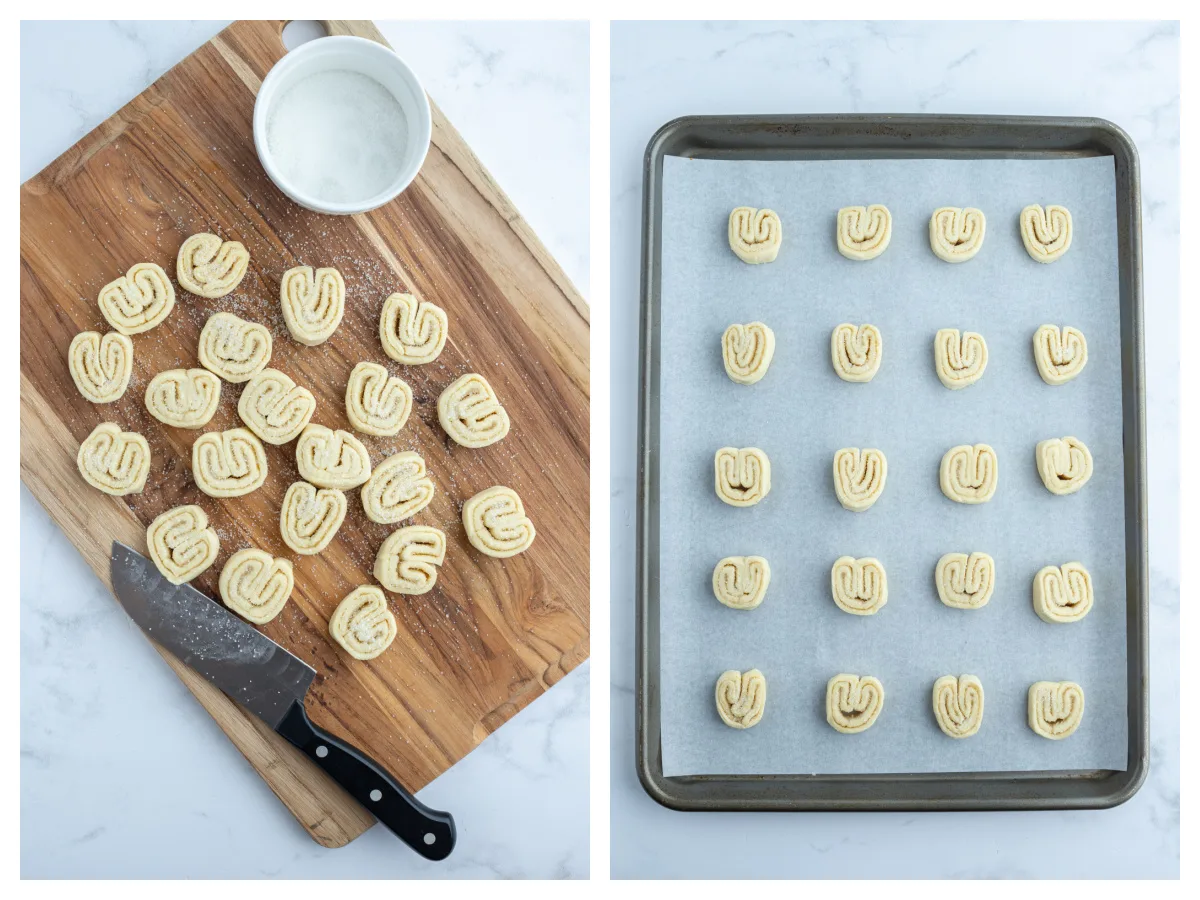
(122, 772)
(1127, 73)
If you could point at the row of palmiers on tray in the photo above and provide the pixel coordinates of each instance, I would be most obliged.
(1061, 594)
(856, 352)
(853, 703)
(968, 473)
(275, 409)
(864, 232)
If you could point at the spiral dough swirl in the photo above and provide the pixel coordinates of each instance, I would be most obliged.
(743, 476)
(856, 351)
(1055, 708)
(755, 234)
(398, 489)
(181, 543)
(859, 586)
(1060, 354)
(1046, 233)
(859, 477)
(234, 349)
(332, 459)
(853, 703)
(746, 351)
(138, 300)
(496, 524)
(959, 361)
(209, 267)
(184, 398)
(741, 582)
(228, 463)
(362, 624)
(114, 461)
(101, 366)
(965, 581)
(741, 698)
(470, 412)
(276, 408)
(377, 403)
(1065, 464)
(256, 585)
(1062, 594)
(412, 333)
(956, 234)
(958, 705)
(863, 232)
(313, 303)
(969, 474)
(408, 560)
(309, 518)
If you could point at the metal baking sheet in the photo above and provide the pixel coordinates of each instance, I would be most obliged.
(801, 635)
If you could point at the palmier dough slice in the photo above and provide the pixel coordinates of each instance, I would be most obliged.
(965, 581)
(411, 332)
(741, 698)
(1062, 594)
(182, 544)
(101, 366)
(1065, 464)
(1060, 354)
(276, 408)
(746, 351)
(859, 477)
(852, 702)
(755, 234)
(863, 232)
(362, 624)
(1055, 708)
(856, 351)
(496, 523)
(743, 475)
(398, 489)
(256, 585)
(114, 461)
(232, 348)
(470, 412)
(332, 459)
(859, 586)
(408, 561)
(958, 705)
(1046, 233)
(309, 518)
(313, 303)
(138, 300)
(969, 474)
(184, 398)
(377, 402)
(956, 234)
(959, 360)
(209, 267)
(228, 463)
(741, 582)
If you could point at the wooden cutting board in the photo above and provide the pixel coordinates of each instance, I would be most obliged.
(493, 634)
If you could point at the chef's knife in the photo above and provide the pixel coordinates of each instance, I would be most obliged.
(271, 683)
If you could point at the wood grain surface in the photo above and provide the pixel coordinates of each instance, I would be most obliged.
(493, 634)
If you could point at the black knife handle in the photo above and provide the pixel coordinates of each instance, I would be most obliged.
(429, 832)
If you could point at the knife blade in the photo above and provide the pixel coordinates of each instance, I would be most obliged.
(269, 682)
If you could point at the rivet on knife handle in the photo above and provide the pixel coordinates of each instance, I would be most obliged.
(428, 831)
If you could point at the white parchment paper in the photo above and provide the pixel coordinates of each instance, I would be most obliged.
(801, 413)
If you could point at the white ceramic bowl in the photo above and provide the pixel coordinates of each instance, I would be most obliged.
(354, 54)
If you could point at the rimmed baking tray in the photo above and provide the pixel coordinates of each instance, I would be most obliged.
(894, 137)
